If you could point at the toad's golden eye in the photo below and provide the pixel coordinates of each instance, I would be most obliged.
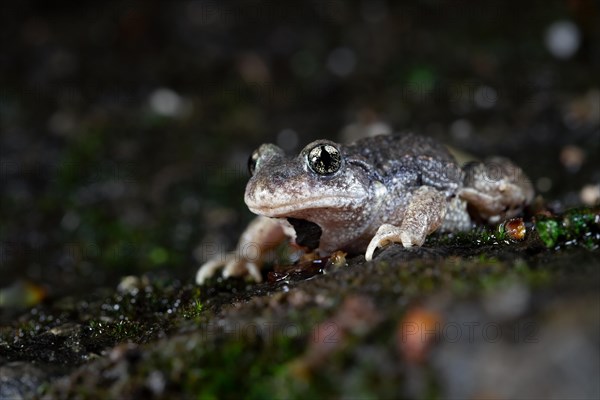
(252, 160)
(324, 159)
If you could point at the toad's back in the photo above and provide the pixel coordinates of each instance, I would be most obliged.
(410, 161)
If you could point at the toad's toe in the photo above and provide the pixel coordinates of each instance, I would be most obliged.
(385, 234)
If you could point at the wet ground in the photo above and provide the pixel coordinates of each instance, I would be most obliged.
(124, 134)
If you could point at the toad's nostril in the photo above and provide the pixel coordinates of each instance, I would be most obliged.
(278, 177)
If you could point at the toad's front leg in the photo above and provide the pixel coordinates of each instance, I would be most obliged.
(261, 235)
(424, 215)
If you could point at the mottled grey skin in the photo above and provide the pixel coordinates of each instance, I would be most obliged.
(387, 189)
(373, 186)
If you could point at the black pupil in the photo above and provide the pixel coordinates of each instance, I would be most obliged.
(325, 159)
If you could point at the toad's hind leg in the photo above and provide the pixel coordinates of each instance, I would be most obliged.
(423, 215)
(496, 189)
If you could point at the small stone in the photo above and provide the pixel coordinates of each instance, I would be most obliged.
(515, 229)
(131, 285)
(68, 329)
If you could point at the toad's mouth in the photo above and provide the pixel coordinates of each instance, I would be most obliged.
(300, 207)
(307, 233)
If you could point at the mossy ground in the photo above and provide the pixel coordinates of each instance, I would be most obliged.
(293, 338)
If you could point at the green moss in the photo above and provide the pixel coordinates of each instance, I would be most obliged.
(548, 230)
(576, 227)
(481, 236)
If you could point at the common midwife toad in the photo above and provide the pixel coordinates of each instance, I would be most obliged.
(378, 190)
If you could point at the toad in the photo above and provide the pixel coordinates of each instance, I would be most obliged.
(365, 195)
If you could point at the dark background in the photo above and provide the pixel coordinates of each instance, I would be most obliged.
(125, 126)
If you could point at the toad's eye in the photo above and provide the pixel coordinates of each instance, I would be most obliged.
(324, 159)
(252, 160)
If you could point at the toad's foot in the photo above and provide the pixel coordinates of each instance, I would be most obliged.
(424, 215)
(233, 264)
(262, 235)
